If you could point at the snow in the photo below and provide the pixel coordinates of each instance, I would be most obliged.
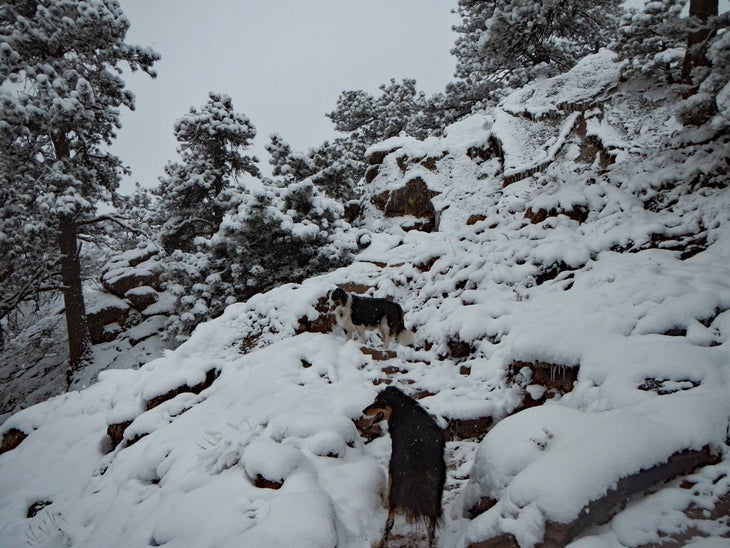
(644, 324)
(592, 76)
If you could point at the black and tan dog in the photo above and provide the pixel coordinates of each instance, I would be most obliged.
(416, 472)
(356, 314)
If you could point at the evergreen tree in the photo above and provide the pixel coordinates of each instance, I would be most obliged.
(198, 190)
(277, 235)
(335, 167)
(659, 41)
(369, 119)
(60, 93)
(287, 164)
(652, 39)
(507, 43)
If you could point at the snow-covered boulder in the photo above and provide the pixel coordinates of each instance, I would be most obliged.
(132, 269)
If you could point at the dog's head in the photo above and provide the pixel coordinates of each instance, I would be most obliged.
(338, 297)
(383, 405)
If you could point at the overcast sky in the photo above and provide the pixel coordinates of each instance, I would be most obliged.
(284, 63)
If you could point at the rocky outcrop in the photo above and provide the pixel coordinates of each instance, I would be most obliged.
(601, 510)
(132, 269)
(106, 315)
(413, 200)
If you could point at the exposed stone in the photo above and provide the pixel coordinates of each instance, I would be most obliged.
(551, 271)
(131, 269)
(370, 173)
(116, 432)
(262, 483)
(414, 199)
(376, 158)
(601, 511)
(323, 323)
(353, 208)
(381, 355)
(148, 328)
(578, 212)
(430, 162)
(142, 297)
(481, 506)
(36, 507)
(479, 153)
(426, 265)
(210, 376)
(106, 311)
(556, 378)
(666, 386)
(460, 429)
(459, 349)
(476, 218)
(11, 439)
(502, 541)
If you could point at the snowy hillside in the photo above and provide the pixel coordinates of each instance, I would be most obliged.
(570, 289)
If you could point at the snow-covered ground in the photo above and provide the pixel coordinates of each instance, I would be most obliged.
(625, 277)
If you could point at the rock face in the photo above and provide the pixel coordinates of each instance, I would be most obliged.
(414, 199)
(106, 315)
(132, 281)
(132, 269)
(601, 510)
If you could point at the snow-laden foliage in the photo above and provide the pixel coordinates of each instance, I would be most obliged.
(370, 119)
(508, 43)
(661, 40)
(60, 94)
(276, 235)
(199, 188)
(335, 167)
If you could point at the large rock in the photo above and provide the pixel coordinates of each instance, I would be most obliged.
(132, 269)
(414, 199)
(106, 314)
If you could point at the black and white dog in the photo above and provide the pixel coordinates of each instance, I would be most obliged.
(360, 314)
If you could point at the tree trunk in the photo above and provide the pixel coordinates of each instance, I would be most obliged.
(695, 55)
(79, 340)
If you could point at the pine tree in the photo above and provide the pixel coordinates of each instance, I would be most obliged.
(369, 119)
(197, 190)
(702, 30)
(287, 164)
(60, 93)
(335, 167)
(507, 43)
(276, 235)
(652, 39)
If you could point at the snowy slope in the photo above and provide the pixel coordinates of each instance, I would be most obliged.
(618, 274)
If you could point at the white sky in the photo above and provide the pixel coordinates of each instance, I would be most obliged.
(284, 63)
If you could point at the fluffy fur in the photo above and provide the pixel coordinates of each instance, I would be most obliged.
(356, 314)
(416, 471)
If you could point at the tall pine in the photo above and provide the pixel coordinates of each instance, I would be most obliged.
(60, 94)
(197, 190)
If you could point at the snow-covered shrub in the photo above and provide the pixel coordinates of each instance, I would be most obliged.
(275, 236)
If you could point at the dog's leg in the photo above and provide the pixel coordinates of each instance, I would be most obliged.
(384, 329)
(431, 533)
(388, 527)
